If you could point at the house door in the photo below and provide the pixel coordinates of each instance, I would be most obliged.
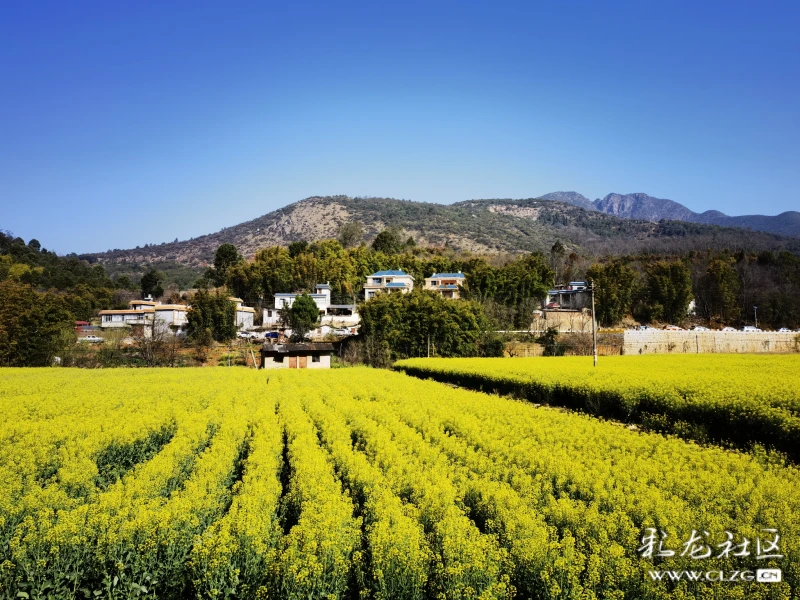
(292, 362)
(303, 362)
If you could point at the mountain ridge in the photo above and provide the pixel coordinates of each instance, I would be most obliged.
(641, 206)
(478, 226)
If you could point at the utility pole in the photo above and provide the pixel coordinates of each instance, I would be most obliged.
(429, 344)
(594, 329)
(755, 315)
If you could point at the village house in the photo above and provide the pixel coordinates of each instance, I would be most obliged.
(296, 356)
(334, 315)
(245, 315)
(148, 302)
(566, 308)
(141, 312)
(144, 314)
(175, 316)
(388, 282)
(574, 296)
(447, 284)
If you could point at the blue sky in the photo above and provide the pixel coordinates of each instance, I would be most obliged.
(130, 123)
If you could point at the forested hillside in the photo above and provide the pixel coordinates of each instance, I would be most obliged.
(478, 226)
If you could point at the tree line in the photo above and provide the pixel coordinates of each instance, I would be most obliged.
(727, 288)
(42, 294)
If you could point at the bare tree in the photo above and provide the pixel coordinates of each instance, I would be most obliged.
(152, 342)
(110, 353)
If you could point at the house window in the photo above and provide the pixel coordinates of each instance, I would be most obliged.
(315, 358)
(278, 358)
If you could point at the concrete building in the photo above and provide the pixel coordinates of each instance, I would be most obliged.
(174, 316)
(245, 315)
(321, 297)
(144, 314)
(335, 315)
(110, 319)
(296, 356)
(447, 284)
(388, 282)
(574, 296)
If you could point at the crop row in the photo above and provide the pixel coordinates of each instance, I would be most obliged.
(358, 483)
(730, 399)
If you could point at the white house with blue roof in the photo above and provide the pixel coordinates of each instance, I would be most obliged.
(388, 282)
(447, 284)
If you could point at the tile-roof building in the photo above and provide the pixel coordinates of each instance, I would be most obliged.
(391, 281)
(447, 284)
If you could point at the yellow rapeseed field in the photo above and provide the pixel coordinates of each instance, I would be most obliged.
(233, 483)
(735, 399)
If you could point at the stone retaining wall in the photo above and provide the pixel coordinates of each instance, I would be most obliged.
(691, 342)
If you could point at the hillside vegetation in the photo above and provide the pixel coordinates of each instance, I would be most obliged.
(478, 226)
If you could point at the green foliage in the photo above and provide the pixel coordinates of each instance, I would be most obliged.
(34, 326)
(124, 282)
(492, 345)
(298, 247)
(614, 287)
(389, 241)
(668, 291)
(411, 324)
(151, 284)
(302, 316)
(351, 234)
(226, 256)
(723, 286)
(549, 341)
(47, 270)
(211, 314)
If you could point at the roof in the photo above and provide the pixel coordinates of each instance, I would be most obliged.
(395, 272)
(447, 276)
(235, 299)
(171, 307)
(397, 284)
(295, 294)
(148, 302)
(138, 311)
(291, 348)
(245, 309)
(323, 286)
(342, 306)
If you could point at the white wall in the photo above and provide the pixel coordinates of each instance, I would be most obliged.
(691, 342)
(244, 319)
(324, 362)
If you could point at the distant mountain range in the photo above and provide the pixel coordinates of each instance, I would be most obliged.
(647, 208)
(615, 225)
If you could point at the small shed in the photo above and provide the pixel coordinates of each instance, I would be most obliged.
(296, 356)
